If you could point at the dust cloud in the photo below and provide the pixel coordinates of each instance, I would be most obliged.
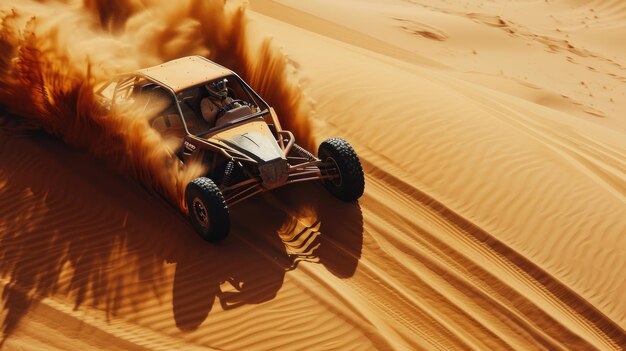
(54, 54)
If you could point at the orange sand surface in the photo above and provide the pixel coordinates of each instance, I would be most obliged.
(492, 135)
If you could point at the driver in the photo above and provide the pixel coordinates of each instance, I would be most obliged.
(216, 102)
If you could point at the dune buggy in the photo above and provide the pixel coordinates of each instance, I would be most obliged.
(242, 144)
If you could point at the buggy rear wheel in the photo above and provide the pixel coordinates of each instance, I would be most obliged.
(341, 162)
(208, 212)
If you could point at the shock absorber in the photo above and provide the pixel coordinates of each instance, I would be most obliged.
(228, 173)
(302, 152)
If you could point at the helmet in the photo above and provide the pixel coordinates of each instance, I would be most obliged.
(218, 89)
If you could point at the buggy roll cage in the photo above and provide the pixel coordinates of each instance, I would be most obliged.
(303, 166)
(127, 80)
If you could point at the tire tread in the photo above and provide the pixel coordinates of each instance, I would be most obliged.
(349, 165)
(216, 207)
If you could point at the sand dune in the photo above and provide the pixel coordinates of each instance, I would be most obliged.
(493, 143)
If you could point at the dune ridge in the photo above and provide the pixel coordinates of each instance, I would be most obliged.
(492, 219)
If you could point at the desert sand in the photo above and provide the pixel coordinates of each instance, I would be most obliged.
(492, 135)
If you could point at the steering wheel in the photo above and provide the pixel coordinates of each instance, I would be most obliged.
(232, 105)
(230, 92)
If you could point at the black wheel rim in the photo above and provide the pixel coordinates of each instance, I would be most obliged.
(200, 212)
(332, 164)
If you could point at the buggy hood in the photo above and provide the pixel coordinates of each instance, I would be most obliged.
(255, 140)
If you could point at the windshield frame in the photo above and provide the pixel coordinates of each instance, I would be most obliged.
(253, 97)
(125, 81)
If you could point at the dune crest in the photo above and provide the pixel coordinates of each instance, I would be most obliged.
(491, 135)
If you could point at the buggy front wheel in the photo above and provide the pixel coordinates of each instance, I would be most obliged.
(208, 212)
(341, 166)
